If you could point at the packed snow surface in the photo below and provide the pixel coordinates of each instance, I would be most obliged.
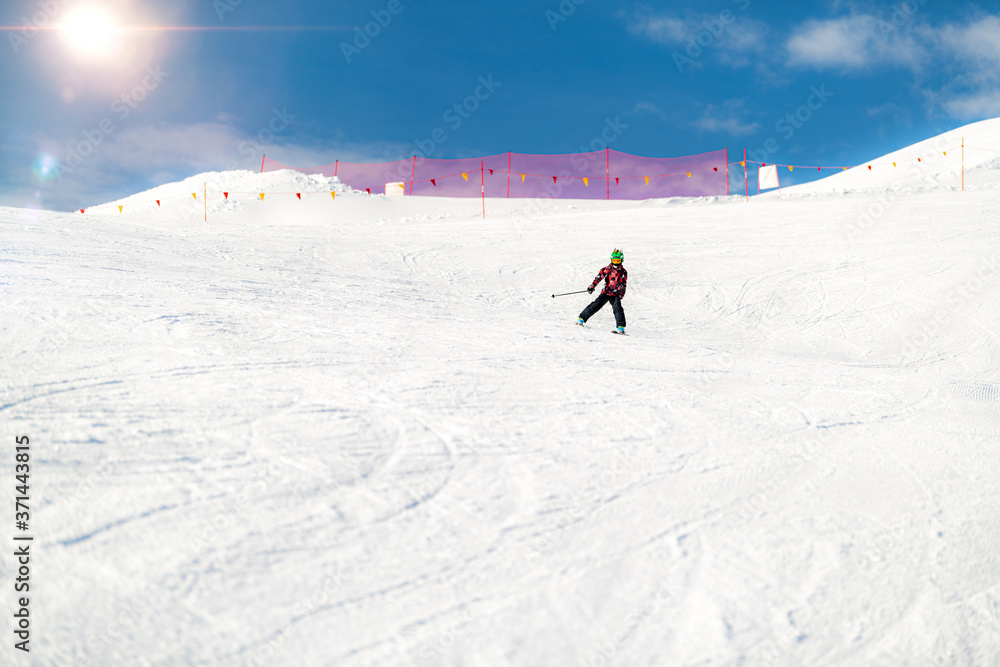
(360, 431)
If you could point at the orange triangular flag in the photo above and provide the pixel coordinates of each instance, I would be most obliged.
(226, 195)
(121, 208)
(743, 163)
(647, 179)
(893, 164)
(299, 195)
(791, 168)
(194, 194)
(465, 176)
(586, 182)
(843, 168)
(262, 196)
(945, 152)
(157, 202)
(333, 195)
(434, 182)
(522, 178)
(689, 174)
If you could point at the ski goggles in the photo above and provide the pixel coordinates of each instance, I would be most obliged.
(616, 260)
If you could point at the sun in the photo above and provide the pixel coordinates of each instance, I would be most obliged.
(92, 32)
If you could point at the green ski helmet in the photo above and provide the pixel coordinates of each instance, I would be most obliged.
(617, 257)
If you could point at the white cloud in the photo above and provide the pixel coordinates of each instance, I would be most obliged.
(726, 119)
(985, 104)
(648, 107)
(856, 42)
(727, 33)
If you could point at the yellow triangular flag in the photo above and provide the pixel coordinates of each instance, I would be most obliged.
(843, 168)
(586, 182)
(893, 164)
(647, 180)
(689, 174)
(465, 176)
(121, 208)
(333, 194)
(743, 163)
(262, 196)
(194, 194)
(791, 168)
(522, 178)
(945, 152)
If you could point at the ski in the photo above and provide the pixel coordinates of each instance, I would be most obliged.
(618, 333)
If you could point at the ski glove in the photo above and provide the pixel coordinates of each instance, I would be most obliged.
(590, 290)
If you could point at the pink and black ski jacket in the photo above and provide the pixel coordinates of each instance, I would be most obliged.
(614, 278)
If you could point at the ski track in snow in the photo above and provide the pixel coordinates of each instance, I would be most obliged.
(363, 433)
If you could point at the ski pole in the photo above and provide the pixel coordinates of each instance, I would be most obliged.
(568, 293)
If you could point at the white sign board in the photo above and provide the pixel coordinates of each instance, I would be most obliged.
(395, 189)
(767, 177)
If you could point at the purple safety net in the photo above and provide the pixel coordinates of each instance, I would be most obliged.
(603, 174)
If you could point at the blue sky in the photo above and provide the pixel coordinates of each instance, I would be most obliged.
(827, 83)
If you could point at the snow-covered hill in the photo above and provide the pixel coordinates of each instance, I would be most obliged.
(360, 431)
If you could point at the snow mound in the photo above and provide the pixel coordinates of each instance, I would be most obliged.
(931, 164)
(227, 192)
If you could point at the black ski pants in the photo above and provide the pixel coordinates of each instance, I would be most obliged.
(616, 305)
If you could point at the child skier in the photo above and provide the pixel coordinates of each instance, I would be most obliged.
(615, 277)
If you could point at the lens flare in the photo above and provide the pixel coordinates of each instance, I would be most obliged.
(45, 168)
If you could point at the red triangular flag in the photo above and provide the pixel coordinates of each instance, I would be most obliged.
(920, 159)
(299, 195)
(616, 180)
(553, 179)
(763, 164)
(869, 167)
(157, 202)
(82, 210)
(368, 190)
(715, 169)
(491, 172)
(226, 195)
(819, 168)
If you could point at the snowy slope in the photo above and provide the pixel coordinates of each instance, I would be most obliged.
(361, 432)
(926, 166)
